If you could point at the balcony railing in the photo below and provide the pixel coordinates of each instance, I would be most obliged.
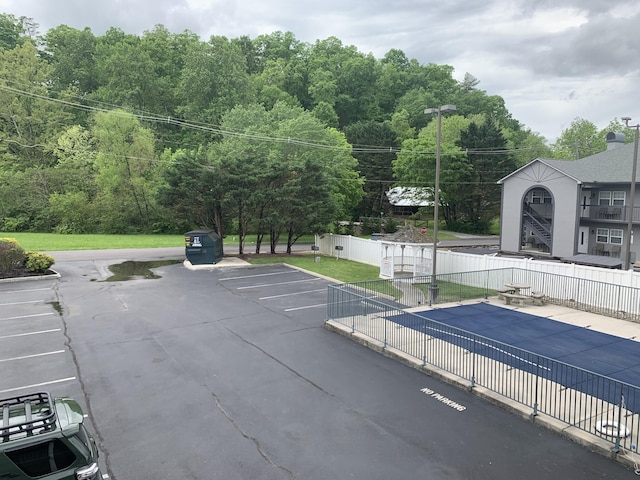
(610, 213)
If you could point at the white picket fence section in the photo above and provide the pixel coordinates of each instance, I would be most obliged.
(372, 252)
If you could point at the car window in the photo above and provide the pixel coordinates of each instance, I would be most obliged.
(42, 458)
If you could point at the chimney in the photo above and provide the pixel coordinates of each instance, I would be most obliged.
(615, 140)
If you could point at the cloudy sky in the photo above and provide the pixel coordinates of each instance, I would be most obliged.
(551, 60)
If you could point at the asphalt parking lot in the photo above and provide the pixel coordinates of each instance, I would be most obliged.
(228, 373)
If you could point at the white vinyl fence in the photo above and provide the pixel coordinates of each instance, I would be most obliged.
(375, 252)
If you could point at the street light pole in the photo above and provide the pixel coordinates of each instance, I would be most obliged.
(627, 240)
(436, 198)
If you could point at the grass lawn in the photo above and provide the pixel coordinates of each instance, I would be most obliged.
(53, 242)
(453, 292)
(342, 270)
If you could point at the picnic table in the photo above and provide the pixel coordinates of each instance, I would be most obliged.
(517, 291)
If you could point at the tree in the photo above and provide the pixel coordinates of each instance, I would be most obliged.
(580, 140)
(127, 176)
(213, 81)
(13, 31)
(283, 171)
(191, 192)
(415, 163)
(72, 201)
(28, 120)
(477, 202)
(375, 165)
(71, 53)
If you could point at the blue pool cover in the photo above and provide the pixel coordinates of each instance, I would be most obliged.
(597, 352)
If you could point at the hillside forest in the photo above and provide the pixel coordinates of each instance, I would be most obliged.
(167, 132)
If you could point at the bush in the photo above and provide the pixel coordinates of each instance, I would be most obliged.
(12, 256)
(390, 225)
(38, 262)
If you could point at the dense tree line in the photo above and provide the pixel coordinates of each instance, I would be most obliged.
(164, 132)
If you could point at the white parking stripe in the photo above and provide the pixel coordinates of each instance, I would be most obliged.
(256, 275)
(31, 333)
(276, 284)
(25, 387)
(294, 293)
(19, 303)
(27, 290)
(35, 355)
(303, 308)
(28, 316)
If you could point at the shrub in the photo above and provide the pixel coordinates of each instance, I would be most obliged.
(12, 256)
(390, 225)
(38, 262)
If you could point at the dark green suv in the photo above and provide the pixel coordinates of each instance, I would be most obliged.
(42, 437)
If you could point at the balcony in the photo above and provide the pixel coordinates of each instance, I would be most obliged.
(617, 213)
(607, 250)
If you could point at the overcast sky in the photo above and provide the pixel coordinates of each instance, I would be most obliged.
(551, 60)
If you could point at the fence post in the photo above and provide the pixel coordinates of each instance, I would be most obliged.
(616, 447)
(384, 344)
(473, 366)
(534, 414)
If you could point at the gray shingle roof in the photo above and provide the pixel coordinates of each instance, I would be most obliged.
(610, 166)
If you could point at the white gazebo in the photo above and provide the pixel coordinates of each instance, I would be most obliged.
(405, 259)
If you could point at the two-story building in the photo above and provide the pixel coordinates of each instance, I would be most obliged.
(574, 210)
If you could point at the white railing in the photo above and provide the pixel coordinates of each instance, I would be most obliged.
(371, 252)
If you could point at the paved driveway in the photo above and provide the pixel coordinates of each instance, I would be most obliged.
(229, 374)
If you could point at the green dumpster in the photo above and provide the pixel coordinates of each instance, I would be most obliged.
(203, 247)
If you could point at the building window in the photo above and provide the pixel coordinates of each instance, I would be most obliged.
(616, 236)
(540, 196)
(618, 198)
(602, 235)
(611, 198)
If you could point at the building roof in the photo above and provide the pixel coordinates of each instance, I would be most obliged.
(409, 197)
(610, 166)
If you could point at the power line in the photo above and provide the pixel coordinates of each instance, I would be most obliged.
(155, 118)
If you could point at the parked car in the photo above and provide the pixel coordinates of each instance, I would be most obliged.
(45, 438)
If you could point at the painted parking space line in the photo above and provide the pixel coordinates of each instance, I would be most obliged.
(35, 355)
(27, 316)
(305, 307)
(25, 290)
(35, 385)
(294, 293)
(256, 275)
(260, 285)
(20, 303)
(31, 333)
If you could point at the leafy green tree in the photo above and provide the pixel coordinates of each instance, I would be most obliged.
(213, 81)
(13, 31)
(28, 121)
(581, 139)
(375, 164)
(297, 182)
(416, 161)
(127, 177)
(72, 201)
(477, 199)
(71, 52)
(191, 192)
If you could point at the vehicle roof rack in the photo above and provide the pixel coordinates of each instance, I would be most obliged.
(35, 413)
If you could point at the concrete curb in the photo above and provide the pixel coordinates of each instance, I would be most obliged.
(33, 277)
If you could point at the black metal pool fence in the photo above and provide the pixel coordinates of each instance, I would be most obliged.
(587, 401)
